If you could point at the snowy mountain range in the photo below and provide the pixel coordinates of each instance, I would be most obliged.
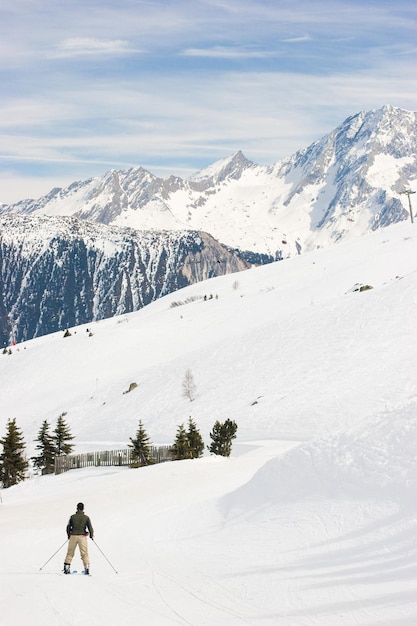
(347, 183)
(110, 245)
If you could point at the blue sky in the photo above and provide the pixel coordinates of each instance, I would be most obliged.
(174, 85)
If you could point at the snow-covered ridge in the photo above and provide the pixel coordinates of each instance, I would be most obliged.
(376, 456)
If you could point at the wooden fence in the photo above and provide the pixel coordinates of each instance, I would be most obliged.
(159, 454)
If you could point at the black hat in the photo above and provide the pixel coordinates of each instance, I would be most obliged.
(80, 506)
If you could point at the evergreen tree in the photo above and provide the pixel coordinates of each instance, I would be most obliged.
(222, 436)
(61, 437)
(195, 440)
(45, 461)
(13, 464)
(188, 444)
(142, 452)
(181, 447)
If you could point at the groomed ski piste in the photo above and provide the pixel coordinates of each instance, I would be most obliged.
(311, 522)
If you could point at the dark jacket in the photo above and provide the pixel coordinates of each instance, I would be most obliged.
(79, 524)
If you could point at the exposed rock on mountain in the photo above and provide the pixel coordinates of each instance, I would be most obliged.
(59, 272)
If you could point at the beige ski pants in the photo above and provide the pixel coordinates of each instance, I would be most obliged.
(81, 542)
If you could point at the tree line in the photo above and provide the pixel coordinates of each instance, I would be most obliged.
(13, 462)
(188, 444)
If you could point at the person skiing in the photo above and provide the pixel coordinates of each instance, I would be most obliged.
(78, 527)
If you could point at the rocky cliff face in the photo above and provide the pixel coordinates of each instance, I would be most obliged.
(56, 273)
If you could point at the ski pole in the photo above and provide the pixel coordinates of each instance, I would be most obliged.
(53, 555)
(95, 542)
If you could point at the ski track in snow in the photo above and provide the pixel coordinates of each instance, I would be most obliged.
(223, 561)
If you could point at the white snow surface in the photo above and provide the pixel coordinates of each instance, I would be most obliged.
(312, 521)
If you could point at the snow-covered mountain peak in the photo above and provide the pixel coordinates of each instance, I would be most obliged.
(345, 184)
(229, 167)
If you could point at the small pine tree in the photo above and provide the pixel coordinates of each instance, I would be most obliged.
(141, 446)
(45, 461)
(61, 437)
(195, 440)
(222, 436)
(181, 447)
(216, 438)
(13, 464)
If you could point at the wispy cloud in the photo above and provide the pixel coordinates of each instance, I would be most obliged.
(230, 52)
(301, 39)
(269, 115)
(88, 46)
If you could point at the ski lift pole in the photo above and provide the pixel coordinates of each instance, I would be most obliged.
(408, 193)
(95, 542)
(60, 547)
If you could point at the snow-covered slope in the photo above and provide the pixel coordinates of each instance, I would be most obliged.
(263, 342)
(347, 183)
(313, 519)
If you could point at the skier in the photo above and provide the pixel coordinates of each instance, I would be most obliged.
(78, 527)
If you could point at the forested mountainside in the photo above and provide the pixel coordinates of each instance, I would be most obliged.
(57, 272)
